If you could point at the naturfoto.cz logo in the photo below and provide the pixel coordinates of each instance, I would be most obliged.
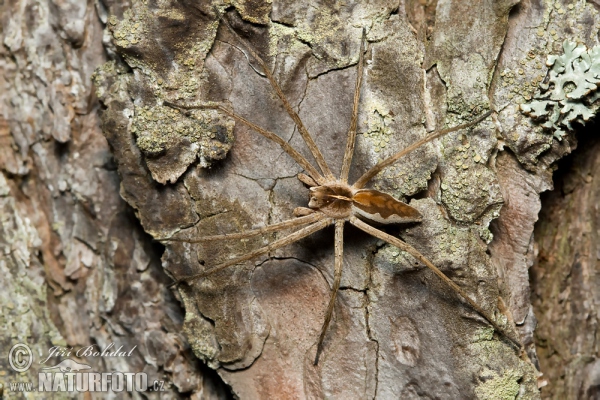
(69, 375)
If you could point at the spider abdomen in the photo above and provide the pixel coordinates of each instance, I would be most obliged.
(383, 208)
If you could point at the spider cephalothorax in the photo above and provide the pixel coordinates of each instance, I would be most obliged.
(333, 200)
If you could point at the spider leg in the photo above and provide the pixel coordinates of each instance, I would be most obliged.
(307, 180)
(339, 263)
(290, 223)
(299, 158)
(289, 239)
(413, 252)
(354, 120)
(367, 176)
(302, 211)
(312, 146)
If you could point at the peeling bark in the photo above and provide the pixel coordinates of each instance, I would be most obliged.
(398, 331)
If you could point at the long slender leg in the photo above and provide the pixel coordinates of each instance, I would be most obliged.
(413, 252)
(312, 146)
(354, 120)
(290, 223)
(367, 176)
(300, 234)
(337, 279)
(299, 158)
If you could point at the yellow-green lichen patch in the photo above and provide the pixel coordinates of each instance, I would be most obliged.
(484, 334)
(402, 178)
(519, 82)
(200, 335)
(469, 188)
(503, 376)
(160, 129)
(499, 387)
(192, 57)
(452, 242)
(254, 11)
(156, 128)
(166, 65)
(333, 44)
(569, 94)
(127, 32)
(187, 71)
(379, 118)
(278, 33)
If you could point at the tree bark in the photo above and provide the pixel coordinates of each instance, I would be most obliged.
(565, 276)
(76, 268)
(398, 331)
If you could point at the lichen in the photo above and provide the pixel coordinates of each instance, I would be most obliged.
(255, 12)
(501, 387)
(201, 338)
(496, 380)
(379, 119)
(166, 69)
(569, 93)
(127, 32)
(280, 32)
(134, 36)
(158, 127)
(469, 188)
(380, 137)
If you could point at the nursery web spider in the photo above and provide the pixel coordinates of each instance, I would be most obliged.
(332, 200)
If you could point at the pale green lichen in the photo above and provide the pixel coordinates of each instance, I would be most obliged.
(278, 33)
(127, 32)
(501, 380)
(500, 387)
(399, 179)
(25, 315)
(257, 13)
(158, 127)
(570, 92)
(469, 188)
(201, 337)
(379, 119)
(133, 32)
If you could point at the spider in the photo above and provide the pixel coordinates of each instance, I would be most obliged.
(332, 200)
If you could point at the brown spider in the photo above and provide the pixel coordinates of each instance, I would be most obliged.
(332, 200)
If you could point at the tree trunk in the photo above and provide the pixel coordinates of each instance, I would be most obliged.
(76, 268)
(565, 276)
(398, 331)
